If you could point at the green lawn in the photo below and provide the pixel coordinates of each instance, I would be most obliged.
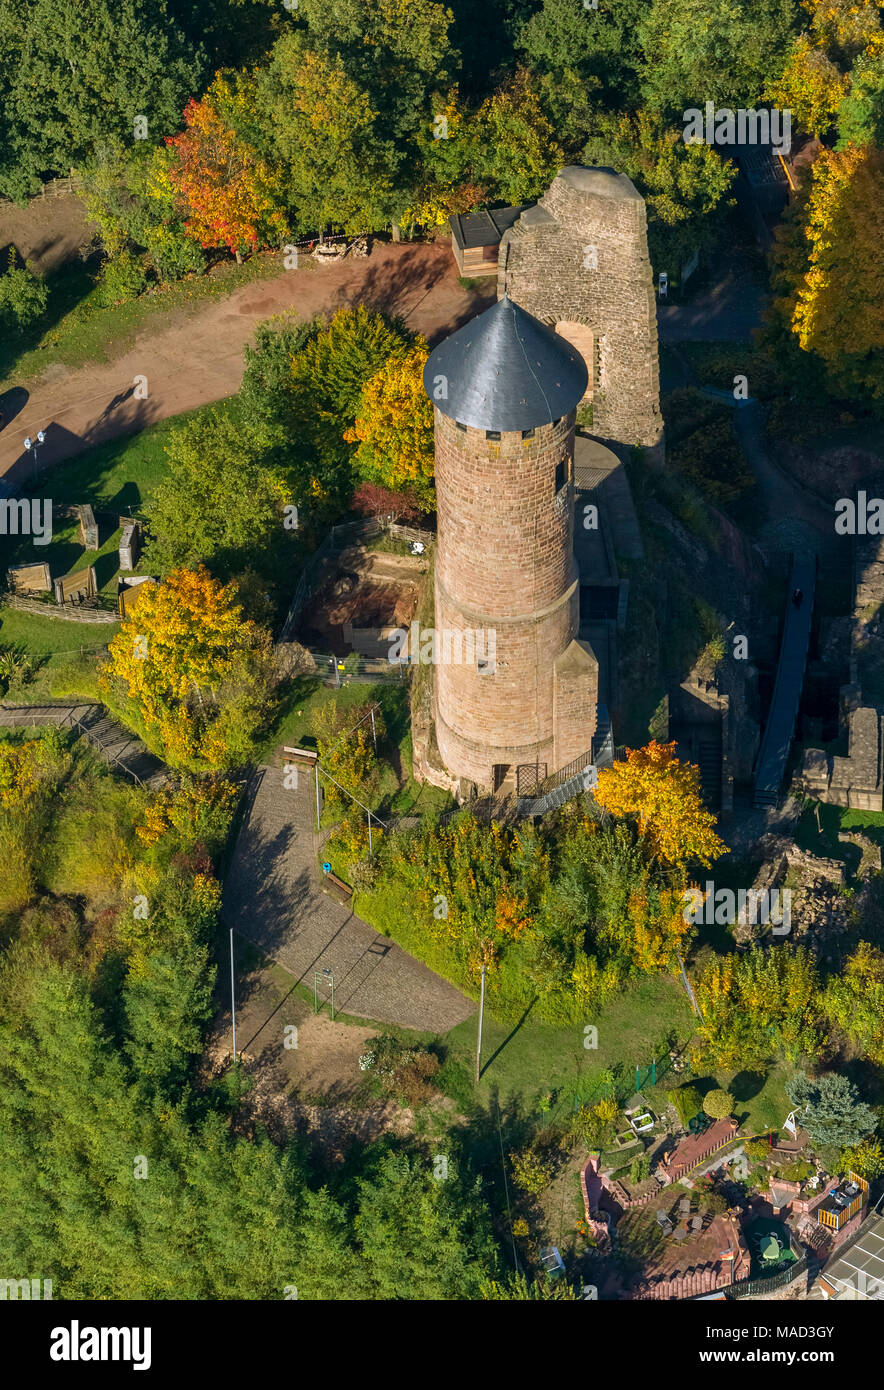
(67, 654)
(120, 475)
(295, 726)
(52, 637)
(832, 819)
(528, 1060)
(117, 478)
(294, 723)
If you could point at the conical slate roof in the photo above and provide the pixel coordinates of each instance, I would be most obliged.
(505, 370)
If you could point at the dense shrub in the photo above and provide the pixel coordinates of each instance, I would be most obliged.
(687, 1101)
(717, 1104)
(23, 295)
(403, 1072)
(121, 280)
(704, 447)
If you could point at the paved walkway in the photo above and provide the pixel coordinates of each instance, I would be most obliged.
(196, 356)
(780, 728)
(272, 896)
(727, 310)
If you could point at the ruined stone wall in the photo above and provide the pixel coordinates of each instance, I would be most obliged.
(581, 257)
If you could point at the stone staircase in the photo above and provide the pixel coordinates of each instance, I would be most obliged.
(709, 763)
(116, 745)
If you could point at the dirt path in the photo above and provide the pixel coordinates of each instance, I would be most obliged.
(197, 356)
(47, 232)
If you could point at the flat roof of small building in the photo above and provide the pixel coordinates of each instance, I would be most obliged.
(474, 229)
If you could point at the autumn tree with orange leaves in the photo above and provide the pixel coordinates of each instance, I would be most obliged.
(190, 674)
(227, 193)
(663, 796)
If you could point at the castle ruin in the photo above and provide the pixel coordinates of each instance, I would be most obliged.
(578, 261)
(574, 328)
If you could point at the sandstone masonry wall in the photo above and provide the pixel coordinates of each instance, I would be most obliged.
(504, 562)
(581, 257)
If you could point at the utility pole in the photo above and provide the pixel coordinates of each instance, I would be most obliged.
(232, 996)
(481, 1016)
(689, 988)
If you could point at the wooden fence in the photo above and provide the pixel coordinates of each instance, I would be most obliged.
(55, 188)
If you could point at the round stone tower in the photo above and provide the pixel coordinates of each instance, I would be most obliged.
(513, 687)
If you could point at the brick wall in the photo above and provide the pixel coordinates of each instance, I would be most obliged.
(504, 563)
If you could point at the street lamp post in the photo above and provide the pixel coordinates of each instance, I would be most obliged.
(327, 978)
(34, 444)
(481, 1019)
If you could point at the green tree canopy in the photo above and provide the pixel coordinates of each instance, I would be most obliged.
(830, 1109)
(325, 129)
(694, 51)
(861, 113)
(219, 502)
(72, 76)
(399, 52)
(583, 58)
(686, 186)
(422, 1237)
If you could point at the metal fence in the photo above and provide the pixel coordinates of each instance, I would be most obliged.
(338, 670)
(751, 1288)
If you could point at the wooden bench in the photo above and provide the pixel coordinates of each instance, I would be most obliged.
(303, 757)
(337, 888)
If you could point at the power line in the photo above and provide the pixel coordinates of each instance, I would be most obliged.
(506, 1188)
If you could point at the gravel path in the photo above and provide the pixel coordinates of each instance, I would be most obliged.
(272, 896)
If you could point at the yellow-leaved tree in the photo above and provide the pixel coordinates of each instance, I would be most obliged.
(839, 310)
(658, 929)
(811, 87)
(394, 428)
(190, 673)
(850, 26)
(663, 796)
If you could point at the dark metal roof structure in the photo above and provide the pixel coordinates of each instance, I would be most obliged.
(474, 229)
(505, 370)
